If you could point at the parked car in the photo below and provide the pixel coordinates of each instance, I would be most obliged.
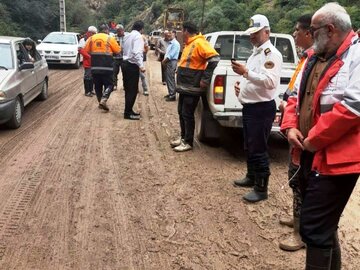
(61, 48)
(154, 37)
(221, 106)
(21, 80)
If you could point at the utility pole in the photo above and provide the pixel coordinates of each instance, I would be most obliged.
(202, 16)
(62, 16)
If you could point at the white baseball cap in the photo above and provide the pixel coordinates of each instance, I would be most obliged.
(257, 22)
(92, 29)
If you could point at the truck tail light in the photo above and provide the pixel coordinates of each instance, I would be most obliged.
(219, 89)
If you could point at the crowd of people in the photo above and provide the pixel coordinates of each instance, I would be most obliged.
(321, 110)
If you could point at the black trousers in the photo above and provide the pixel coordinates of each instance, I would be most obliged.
(186, 109)
(103, 84)
(324, 200)
(117, 68)
(131, 74)
(257, 123)
(163, 69)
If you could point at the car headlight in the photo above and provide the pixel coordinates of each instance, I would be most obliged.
(2, 95)
(69, 52)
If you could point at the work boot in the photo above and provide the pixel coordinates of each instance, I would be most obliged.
(287, 221)
(293, 242)
(247, 181)
(102, 104)
(317, 258)
(336, 254)
(259, 192)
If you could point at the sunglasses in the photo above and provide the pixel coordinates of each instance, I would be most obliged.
(313, 29)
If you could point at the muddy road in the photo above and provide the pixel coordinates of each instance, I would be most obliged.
(84, 189)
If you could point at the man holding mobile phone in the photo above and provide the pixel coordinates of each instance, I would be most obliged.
(256, 92)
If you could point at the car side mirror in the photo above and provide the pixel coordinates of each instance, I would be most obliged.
(39, 41)
(26, 65)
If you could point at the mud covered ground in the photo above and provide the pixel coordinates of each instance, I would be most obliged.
(84, 189)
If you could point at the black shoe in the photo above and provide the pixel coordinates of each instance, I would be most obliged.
(146, 93)
(170, 98)
(245, 182)
(164, 83)
(88, 94)
(131, 116)
(255, 196)
(134, 113)
(166, 96)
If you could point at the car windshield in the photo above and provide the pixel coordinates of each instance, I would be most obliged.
(59, 38)
(6, 61)
(241, 49)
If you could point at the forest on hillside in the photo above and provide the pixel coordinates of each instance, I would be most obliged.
(36, 18)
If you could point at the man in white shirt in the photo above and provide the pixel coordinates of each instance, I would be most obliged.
(133, 49)
(256, 91)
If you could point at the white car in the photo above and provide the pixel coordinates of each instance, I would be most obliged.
(221, 106)
(61, 48)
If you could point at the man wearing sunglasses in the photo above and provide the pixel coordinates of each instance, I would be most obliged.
(323, 127)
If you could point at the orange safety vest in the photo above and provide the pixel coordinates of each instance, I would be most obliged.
(101, 47)
(196, 52)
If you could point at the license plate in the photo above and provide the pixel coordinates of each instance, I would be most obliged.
(51, 57)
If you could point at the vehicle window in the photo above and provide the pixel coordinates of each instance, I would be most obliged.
(241, 49)
(6, 56)
(285, 48)
(21, 54)
(59, 38)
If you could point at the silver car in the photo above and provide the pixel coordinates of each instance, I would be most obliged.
(22, 79)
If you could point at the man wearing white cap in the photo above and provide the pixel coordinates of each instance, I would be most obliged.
(256, 91)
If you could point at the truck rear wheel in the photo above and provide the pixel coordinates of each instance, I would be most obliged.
(207, 129)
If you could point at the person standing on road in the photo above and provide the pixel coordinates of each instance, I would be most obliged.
(132, 66)
(304, 40)
(88, 80)
(101, 47)
(323, 126)
(195, 69)
(161, 46)
(142, 74)
(256, 92)
(118, 57)
(170, 61)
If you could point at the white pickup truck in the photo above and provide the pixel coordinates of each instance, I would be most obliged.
(221, 106)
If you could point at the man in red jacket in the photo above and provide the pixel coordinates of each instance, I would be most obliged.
(323, 126)
(88, 80)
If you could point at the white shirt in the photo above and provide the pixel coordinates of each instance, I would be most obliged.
(133, 48)
(264, 67)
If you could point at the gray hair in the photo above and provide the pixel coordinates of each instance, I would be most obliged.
(334, 13)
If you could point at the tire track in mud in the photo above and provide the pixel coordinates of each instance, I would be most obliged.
(26, 188)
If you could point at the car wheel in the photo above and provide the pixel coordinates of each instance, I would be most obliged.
(44, 91)
(207, 129)
(16, 117)
(77, 63)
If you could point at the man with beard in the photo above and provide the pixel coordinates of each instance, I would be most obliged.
(323, 126)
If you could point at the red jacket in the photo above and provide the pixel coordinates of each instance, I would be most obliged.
(336, 131)
(85, 54)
